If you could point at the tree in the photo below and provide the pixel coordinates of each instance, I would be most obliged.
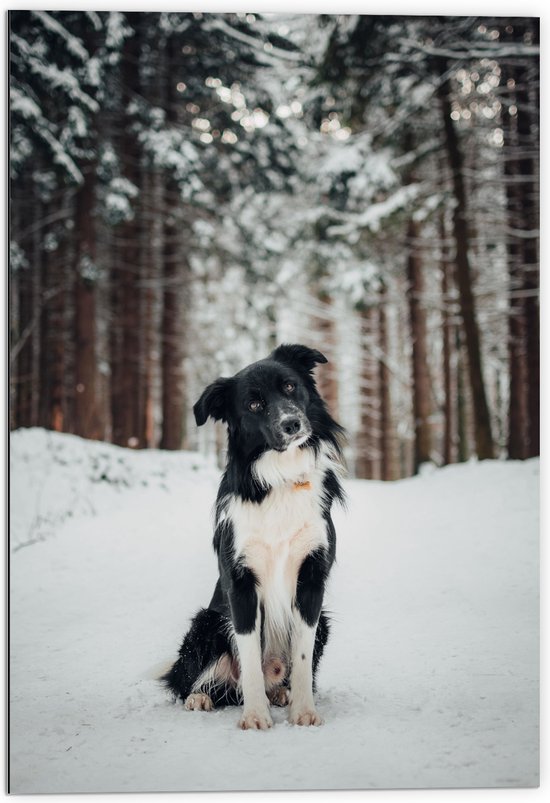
(463, 274)
(126, 318)
(520, 127)
(53, 84)
(448, 350)
(420, 57)
(190, 189)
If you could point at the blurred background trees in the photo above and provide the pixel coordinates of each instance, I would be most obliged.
(188, 190)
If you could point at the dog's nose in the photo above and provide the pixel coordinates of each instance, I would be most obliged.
(291, 426)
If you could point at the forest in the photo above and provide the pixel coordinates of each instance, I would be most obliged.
(188, 190)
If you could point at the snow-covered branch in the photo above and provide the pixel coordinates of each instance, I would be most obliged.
(30, 111)
(271, 54)
(74, 45)
(488, 50)
(372, 217)
(63, 79)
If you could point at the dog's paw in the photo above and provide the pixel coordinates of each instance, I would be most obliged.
(305, 717)
(254, 720)
(279, 696)
(198, 702)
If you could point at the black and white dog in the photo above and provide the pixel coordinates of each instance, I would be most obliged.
(261, 637)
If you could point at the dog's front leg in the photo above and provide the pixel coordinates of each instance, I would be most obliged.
(245, 613)
(309, 599)
(302, 708)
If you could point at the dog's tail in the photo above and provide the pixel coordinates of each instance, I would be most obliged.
(160, 670)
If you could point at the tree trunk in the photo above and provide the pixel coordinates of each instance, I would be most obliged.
(461, 404)
(367, 447)
(20, 345)
(173, 399)
(387, 471)
(448, 389)
(88, 421)
(46, 338)
(23, 362)
(27, 348)
(14, 333)
(327, 377)
(420, 371)
(147, 318)
(520, 155)
(53, 329)
(87, 418)
(482, 418)
(517, 366)
(175, 278)
(528, 128)
(127, 397)
(57, 411)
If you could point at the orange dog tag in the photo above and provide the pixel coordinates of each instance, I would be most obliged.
(302, 486)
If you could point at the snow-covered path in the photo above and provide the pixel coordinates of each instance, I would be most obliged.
(430, 678)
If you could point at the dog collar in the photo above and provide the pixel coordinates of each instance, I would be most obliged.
(302, 485)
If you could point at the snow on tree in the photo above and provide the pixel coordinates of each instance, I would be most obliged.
(189, 189)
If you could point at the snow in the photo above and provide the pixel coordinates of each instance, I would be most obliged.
(117, 199)
(94, 72)
(169, 148)
(375, 214)
(27, 108)
(429, 679)
(74, 45)
(77, 121)
(18, 259)
(117, 30)
(23, 104)
(216, 23)
(372, 170)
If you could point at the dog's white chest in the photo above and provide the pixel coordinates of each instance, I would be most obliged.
(272, 538)
(287, 525)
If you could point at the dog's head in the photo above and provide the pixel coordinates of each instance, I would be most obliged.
(268, 405)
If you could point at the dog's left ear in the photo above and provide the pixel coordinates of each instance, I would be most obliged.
(298, 356)
(214, 401)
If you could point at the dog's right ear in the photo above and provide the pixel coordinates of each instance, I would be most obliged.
(214, 402)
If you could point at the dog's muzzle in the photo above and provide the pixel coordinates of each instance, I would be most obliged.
(291, 430)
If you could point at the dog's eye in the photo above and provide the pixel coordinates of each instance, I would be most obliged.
(255, 406)
(288, 387)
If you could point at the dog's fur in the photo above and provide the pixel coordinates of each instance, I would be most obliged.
(263, 633)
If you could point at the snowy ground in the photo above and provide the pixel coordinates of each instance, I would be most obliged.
(429, 680)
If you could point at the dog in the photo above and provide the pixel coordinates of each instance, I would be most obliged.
(262, 636)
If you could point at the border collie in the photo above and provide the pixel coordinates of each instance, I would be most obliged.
(262, 636)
